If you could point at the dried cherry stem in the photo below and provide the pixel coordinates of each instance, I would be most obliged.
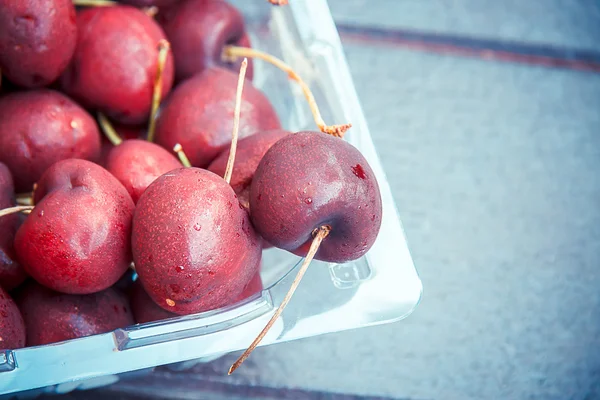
(231, 53)
(24, 199)
(320, 234)
(14, 210)
(278, 2)
(181, 154)
(108, 130)
(163, 51)
(236, 120)
(94, 3)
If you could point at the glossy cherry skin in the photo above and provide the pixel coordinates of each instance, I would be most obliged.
(125, 132)
(12, 327)
(137, 163)
(11, 272)
(144, 308)
(41, 127)
(115, 63)
(77, 239)
(253, 287)
(37, 40)
(199, 30)
(199, 115)
(250, 151)
(53, 317)
(308, 180)
(193, 245)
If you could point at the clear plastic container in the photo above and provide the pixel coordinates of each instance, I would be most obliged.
(381, 287)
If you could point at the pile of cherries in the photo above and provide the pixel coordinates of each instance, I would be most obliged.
(168, 190)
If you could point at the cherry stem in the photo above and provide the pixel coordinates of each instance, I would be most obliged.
(163, 51)
(278, 2)
(108, 130)
(24, 199)
(151, 11)
(94, 3)
(181, 154)
(231, 53)
(236, 120)
(320, 234)
(14, 210)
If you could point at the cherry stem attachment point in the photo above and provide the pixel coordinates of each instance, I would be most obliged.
(320, 234)
(108, 130)
(231, 53)
(181, 154)
(236, 120)
(14, 210)
(94, 3)
(163, 51)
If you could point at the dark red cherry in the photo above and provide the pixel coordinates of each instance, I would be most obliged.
(250, 151)
(199, 30)
(11, 272)
(143, 307)
(199, 115)
(41, 127)
(309, 180)
(77, 239)
(115, 63)
(53, 317)
(12, 327)
(137, 163)
(193, 245)
(37, 40)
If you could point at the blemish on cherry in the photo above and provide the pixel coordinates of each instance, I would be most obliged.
(359, 171)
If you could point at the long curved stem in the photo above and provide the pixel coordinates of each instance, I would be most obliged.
(230, 53)
(14, 210)
(321, 234)
(236, 121)
(163, 52)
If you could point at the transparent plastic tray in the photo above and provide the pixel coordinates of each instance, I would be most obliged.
(381, 287)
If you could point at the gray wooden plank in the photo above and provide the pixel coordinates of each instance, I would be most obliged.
(566, 23)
